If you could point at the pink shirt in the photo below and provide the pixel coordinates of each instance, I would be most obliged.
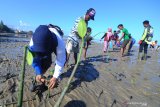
(107, 38)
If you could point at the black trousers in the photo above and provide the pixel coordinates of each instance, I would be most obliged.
(143, 46)
(44, 59)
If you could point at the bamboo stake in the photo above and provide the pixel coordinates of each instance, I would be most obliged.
(82, 29)
(70, 79)
(21, 84)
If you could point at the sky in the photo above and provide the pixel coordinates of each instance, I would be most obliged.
(29, 14)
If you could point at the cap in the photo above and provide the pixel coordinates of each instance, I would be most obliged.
(146, 22)
(91, 12)
(41, 38)
(120, 25)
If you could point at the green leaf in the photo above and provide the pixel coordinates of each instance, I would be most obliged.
(29, 57)
(82, 28)
(51, 72)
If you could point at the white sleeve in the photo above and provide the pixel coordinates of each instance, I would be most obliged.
(151, 31)
(61, 55)
(31, 42)
(75, 27)
(60, 58)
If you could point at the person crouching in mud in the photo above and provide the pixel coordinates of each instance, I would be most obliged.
(154, 45)
(87, 40)
(130, 44)
(45, 41)
(133, 41)
(115, 38)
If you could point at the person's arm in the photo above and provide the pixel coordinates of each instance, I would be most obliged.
(103, 36)
(144, 34)
(130, 36)
(143, 37)
(75, 28)
(31, 42)
(122, 36)
(90, 38)
(60, 59)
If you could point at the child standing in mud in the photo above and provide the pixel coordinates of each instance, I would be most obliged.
(114, 39)
(107, 38)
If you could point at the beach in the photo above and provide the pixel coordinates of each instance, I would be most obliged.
(121, 82)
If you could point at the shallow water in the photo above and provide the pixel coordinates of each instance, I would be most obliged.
(155, 79)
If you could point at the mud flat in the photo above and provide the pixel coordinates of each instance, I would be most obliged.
(121, 82)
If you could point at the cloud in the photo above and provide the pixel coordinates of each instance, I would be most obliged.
(23, 23)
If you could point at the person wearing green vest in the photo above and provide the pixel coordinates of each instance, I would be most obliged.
(145, 40)
(125, 36)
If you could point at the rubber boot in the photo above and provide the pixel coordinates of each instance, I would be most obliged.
(145, 57)
(140, 55)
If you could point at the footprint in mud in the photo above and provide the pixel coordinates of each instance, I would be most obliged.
(123, 104)
(8, 90)
(11, 86)
(1, 94)
(114, 102)
(119, 76)
(3, 60)
(4, 78)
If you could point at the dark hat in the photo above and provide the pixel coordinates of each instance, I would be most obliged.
(91, 12)
(41, 38)
(146, 22)
(120, 25)
(89, 29)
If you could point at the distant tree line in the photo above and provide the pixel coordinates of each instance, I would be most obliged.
(5, 29)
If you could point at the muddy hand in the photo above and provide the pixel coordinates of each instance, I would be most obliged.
(52, 82)
(40, 79)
